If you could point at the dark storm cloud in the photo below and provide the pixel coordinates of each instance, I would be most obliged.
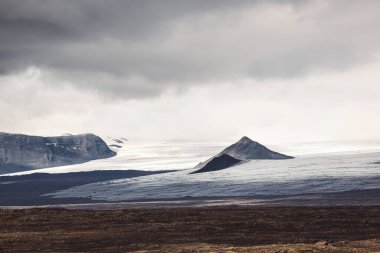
(139, 48)
(77, 36)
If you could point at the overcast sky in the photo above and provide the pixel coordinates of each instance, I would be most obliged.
(211, 70)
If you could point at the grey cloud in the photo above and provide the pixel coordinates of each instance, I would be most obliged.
(35, 32)
(134, 49)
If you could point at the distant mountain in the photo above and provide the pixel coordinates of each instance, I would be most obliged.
(20, 152)
(218, 163)
(116, 143)
(247, 149)
(244, 149)
(117, 140)
(115, 146)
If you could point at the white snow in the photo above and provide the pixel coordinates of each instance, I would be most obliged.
(318, 167)
(186, 155)
(307, 174)
(146, 156)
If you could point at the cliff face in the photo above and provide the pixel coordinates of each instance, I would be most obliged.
(22, 152)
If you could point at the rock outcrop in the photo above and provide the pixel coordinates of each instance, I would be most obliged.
(243, 150)
(23, 152)
(218, 163)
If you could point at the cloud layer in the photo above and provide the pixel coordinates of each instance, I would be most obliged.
(65, 64)
(140, 48)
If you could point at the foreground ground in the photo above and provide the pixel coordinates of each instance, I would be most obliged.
(233, 229)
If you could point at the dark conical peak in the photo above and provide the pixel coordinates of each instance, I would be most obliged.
(247, 149)
(218, 163)
(244, 149)
(245, 139)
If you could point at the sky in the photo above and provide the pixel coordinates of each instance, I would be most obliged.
(200, 70)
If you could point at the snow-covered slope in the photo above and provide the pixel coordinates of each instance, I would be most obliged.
(247, 149)
(307, 174)
(134, 155)
(116, 143)
(243, 150)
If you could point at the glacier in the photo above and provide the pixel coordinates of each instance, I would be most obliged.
(318, 173)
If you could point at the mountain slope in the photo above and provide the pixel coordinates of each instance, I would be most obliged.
(247, 149)
(244, 149)
(23, 152)
(218, 163)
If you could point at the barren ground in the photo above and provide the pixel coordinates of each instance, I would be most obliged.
(223, 229)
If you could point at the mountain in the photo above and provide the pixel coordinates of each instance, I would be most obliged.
(244, 149)
(20, 152)
(218, 163)
(115, 143)
(247, 149)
